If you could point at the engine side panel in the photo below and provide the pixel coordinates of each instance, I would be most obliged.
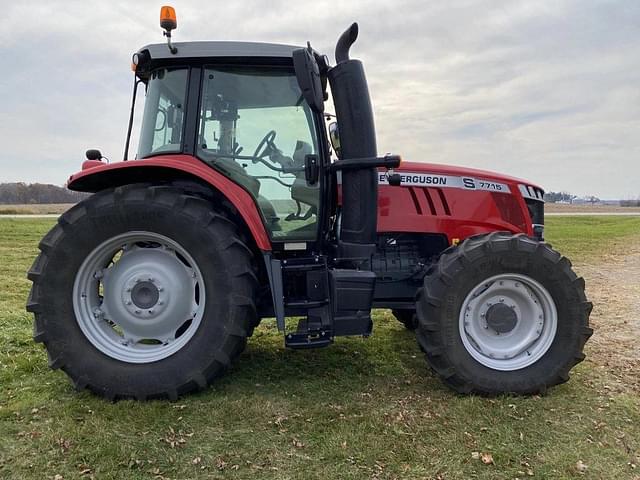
(455, 202)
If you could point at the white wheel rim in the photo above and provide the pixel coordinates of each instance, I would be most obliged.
(508, 322)
(139, 297)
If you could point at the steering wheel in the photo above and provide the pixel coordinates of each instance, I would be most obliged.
(265, 146)
(157, 128)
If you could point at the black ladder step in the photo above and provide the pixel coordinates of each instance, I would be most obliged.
(307, 303)
(311, 339)
(308, 336)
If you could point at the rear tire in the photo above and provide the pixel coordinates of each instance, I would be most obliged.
(540, 343)
(208, 246)
(406, 317)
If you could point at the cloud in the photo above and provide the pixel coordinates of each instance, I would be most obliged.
(544, 90)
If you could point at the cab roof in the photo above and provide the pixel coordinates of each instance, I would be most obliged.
(160, 51)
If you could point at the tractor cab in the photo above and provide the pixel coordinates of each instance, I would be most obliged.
(251, 123)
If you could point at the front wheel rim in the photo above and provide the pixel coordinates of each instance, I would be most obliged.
(508, 322)
(139, 297)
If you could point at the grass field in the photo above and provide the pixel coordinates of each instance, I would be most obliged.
(359, 409)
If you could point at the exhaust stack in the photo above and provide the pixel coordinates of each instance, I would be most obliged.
(358, 140)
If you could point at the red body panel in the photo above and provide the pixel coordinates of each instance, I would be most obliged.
(449, 208)
(456, 211)
(238, 196)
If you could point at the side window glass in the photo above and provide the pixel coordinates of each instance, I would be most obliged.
(256, 129)
(163, 119)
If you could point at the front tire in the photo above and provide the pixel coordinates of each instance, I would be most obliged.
(143, 292)
(502, 313)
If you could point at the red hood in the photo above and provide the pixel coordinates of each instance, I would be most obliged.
(460, 171)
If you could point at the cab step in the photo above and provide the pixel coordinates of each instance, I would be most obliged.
(309, 339)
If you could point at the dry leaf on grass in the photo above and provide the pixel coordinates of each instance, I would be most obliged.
(581, 467)
(487, 459)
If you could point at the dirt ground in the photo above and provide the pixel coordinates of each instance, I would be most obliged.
(35, 209)
(613, 285)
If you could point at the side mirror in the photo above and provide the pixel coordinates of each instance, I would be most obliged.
(311, 169)
(334, 136)
(93, 154)
(308, 76)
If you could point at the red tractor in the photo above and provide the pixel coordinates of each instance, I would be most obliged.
(241, 205)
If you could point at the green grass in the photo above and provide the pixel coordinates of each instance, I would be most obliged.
(583, 238)
(359, 409)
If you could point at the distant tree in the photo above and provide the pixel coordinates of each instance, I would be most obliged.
(553, 197)
(23, 193)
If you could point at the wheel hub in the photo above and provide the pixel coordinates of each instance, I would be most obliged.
(145, 294)
(501, 318)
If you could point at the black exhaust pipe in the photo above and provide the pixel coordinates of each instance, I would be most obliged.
(358, 140)
(345, 41)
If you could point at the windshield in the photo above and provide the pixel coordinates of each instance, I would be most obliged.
(163, 113)
(256, 128)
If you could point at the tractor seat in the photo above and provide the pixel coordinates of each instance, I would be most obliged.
(300, 190)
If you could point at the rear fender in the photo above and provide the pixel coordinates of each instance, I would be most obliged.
(96, 176)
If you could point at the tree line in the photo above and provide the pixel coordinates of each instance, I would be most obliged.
(31, 193)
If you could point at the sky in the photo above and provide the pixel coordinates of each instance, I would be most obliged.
(543, 90)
